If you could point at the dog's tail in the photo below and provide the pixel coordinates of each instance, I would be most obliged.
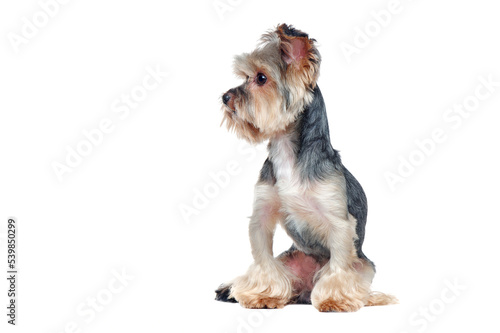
(378, 298)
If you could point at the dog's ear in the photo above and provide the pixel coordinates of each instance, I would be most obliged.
(295, 44)
(299, 52)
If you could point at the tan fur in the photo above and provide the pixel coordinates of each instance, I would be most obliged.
(377, 298)
(263, 112)
(322, 206)
(343, 284)
(267, 282)
(256, 112)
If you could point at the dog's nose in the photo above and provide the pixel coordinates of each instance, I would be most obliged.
(226, 98)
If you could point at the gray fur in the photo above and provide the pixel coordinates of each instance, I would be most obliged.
(309, 140)
(305, 240)
(316, 160)
(267, 173)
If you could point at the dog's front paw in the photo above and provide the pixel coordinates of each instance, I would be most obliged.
(263, 287)
(339, 305)
(262, 302)
(340, 291)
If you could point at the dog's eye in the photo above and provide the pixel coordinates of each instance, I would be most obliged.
(261, 79)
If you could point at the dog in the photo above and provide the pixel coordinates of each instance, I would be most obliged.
(303, 186)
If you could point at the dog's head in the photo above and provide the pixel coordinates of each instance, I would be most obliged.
(279, 77)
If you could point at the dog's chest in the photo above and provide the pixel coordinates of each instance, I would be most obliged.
(282, 152)
(291, 187)
(297, 201)
(307, 206)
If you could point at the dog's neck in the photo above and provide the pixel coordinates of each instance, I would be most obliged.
(304, 147)
(283, 154)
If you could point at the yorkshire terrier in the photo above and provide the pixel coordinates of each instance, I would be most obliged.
(303, 186)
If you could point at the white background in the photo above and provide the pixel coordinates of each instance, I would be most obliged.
(119, 209)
